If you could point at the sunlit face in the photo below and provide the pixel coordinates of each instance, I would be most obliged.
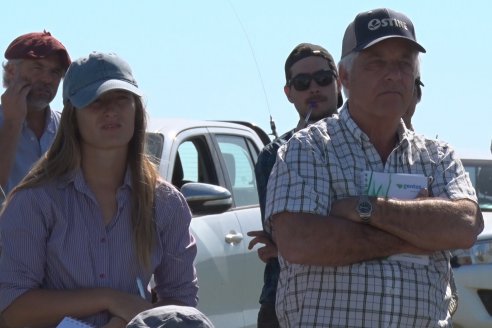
(108, 122)
(322, 99)
(42, 75)
(381, 82)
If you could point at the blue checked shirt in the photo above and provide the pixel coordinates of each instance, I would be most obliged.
(53, 237)
(318, 166)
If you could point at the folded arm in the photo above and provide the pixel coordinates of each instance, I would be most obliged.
(430, 223)
(319, 240)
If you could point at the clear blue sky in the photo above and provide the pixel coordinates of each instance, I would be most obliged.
(223, 59)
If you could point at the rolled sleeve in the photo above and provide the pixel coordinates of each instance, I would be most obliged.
(23, 257)
(451, 180)
(300, 181)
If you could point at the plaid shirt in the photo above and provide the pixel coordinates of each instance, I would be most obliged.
(318, 166)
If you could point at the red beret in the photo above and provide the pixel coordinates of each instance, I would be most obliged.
(35, 46)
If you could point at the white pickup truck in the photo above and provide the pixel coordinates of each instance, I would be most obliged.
(212, 163)
(473, 267)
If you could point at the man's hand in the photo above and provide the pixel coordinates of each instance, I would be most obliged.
(14, 100)
(265, 253)
(14, 108)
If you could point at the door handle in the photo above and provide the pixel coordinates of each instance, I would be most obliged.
(233, 237)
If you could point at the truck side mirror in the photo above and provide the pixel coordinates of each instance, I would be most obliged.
(204, 198)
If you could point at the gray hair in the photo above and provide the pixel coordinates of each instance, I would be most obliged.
(5, 65)
(347, 63)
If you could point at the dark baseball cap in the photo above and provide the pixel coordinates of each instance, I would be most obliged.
(304, 50)
(89, 77)
(37, 45)
(373, 26)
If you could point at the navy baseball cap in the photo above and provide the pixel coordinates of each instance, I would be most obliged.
(89, 77)
(371, 27)
(304, 50)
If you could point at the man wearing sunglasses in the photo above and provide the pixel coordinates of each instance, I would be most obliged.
(313, 87)
(348, 257)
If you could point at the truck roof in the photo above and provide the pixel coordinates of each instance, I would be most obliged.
(178, 124)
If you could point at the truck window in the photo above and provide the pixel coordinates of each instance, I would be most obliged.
(193, 163)
(153, 146)
(239, 163)
(481, 177)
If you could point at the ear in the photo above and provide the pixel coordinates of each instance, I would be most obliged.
(343, 78)
(339, 85)
(287, 93)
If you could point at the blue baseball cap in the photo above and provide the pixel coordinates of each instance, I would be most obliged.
(89, 77)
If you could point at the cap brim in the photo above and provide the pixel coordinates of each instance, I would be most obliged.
(373, 42)
(87, 95)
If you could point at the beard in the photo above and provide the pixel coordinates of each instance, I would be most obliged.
(40, 97)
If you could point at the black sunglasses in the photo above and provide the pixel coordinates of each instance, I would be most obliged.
(301, 82)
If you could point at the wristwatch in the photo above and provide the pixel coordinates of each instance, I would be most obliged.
(364, 208)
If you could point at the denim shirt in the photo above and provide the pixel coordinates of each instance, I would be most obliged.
(30, 148)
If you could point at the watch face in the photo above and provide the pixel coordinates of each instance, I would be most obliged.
(365, 209)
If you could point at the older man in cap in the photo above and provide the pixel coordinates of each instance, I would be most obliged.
(349, 256)
(36, 63)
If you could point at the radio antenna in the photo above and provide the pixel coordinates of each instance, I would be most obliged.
(272, 122)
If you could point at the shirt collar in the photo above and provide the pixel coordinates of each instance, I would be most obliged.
(50, 122)
(403, 133)
(78, 180)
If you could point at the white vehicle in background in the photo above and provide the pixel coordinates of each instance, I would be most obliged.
(473, 267)
(212, 163)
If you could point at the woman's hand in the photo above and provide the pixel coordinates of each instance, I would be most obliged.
(124, 305)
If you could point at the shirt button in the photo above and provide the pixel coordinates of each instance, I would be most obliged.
(103, 240)
(102, 275)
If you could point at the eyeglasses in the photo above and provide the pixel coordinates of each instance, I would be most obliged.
(301, 82)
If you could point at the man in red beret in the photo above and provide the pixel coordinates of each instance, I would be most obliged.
(36, 63)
